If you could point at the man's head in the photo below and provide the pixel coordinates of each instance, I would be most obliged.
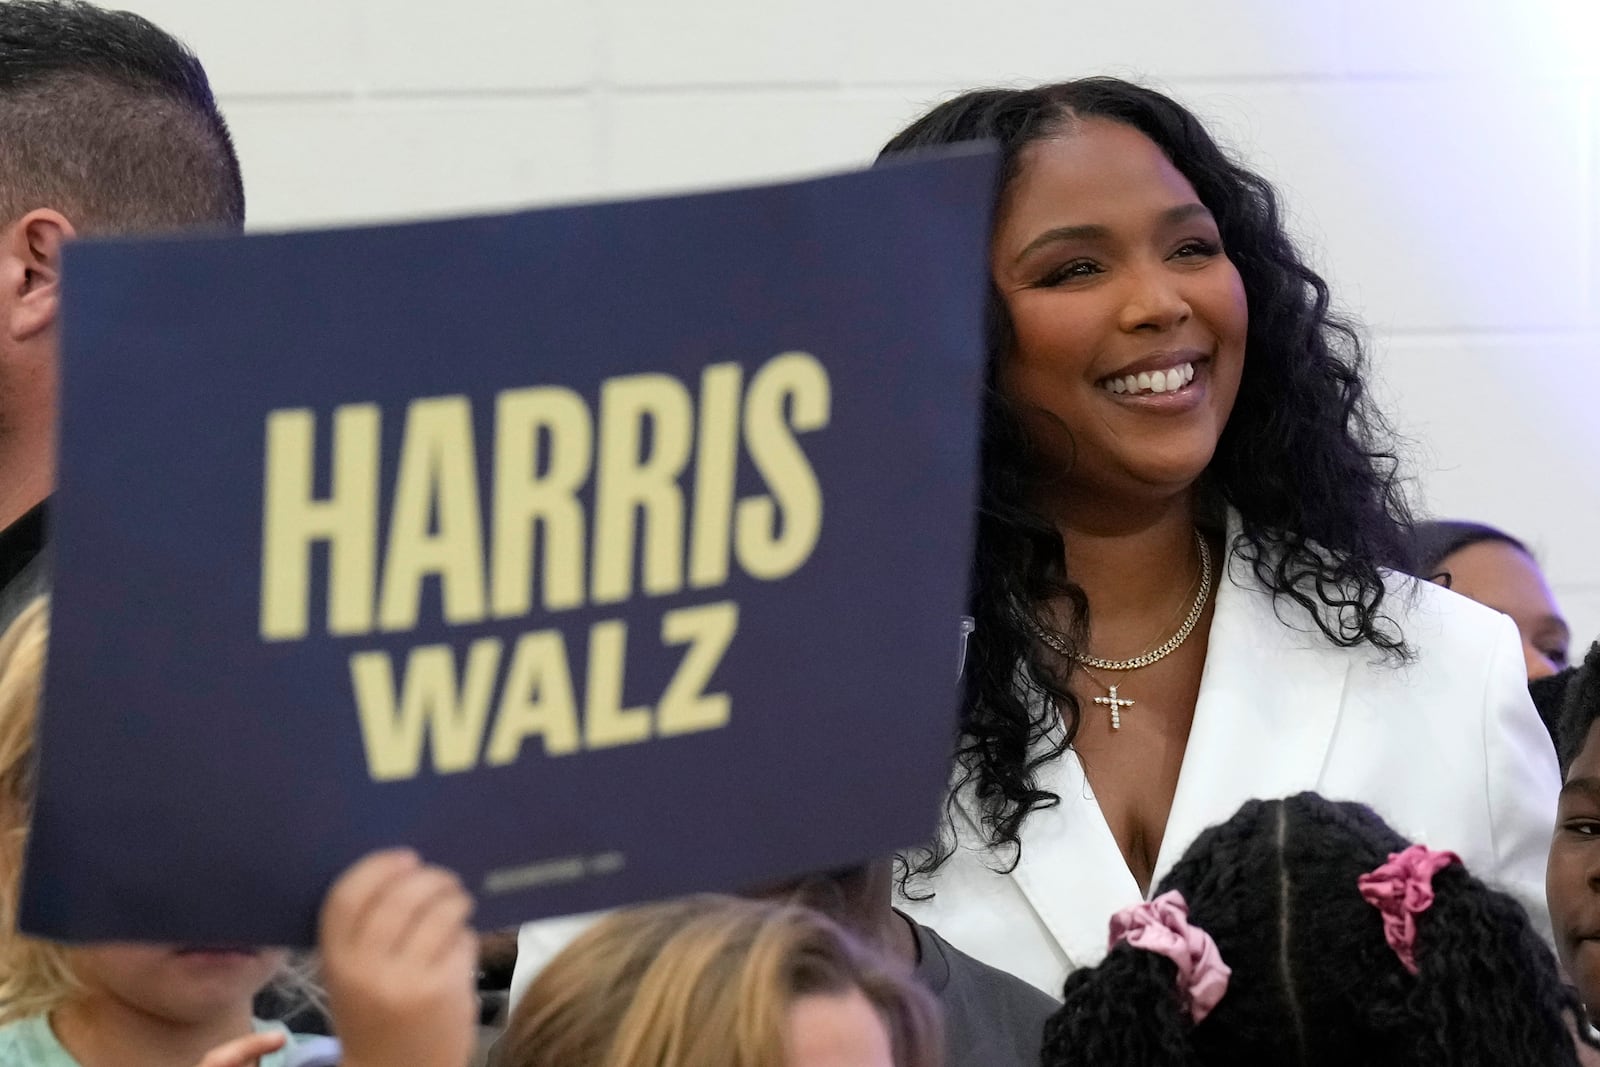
(111, 122)
(107, 126)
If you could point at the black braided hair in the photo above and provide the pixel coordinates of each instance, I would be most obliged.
(1305, 459)
(1132, 1005)
(1314, 981)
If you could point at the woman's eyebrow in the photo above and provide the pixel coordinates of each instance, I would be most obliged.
(1092, 231)
(1063, 233)
(1185, 212)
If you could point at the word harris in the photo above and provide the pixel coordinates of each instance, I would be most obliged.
(547, 446)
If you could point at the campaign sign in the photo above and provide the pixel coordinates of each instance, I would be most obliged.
(600, 553)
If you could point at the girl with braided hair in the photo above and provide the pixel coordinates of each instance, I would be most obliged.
(1307, 932)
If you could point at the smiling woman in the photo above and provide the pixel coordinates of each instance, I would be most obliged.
(1135, 315)
(1168, 390)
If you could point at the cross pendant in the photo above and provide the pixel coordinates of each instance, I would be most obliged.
(1116, 707)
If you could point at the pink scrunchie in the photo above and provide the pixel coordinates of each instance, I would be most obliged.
(1402, 889)
(1162, 926)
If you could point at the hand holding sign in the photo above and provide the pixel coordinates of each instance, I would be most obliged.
(398, 960)
(244, 1051)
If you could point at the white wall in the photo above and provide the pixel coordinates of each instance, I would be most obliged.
(1439, 155)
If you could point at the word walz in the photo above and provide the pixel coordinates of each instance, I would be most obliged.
(649, 437)
(445, 700)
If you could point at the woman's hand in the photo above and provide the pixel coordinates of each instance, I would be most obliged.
(243, 1051)
(398, 959)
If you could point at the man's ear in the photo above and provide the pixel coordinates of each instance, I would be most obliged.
(30, 272)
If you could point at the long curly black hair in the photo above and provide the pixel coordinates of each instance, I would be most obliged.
(1314, 981)
(1305, 460)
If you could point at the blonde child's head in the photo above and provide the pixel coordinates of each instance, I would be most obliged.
(34, 975)
(183, 984)
(710, 981)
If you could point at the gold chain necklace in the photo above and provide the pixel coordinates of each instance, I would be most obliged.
(1172, 643)
(1112, 699)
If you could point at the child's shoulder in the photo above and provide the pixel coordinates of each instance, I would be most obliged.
(31, 1043)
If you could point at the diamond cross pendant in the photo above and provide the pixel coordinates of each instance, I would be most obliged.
(1116, 705)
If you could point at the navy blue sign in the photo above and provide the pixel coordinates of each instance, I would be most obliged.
(601, 553)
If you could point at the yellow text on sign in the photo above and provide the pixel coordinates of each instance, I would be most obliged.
(661, 461)
(483, 705)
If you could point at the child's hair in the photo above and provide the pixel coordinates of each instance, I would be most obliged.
(34, 975)
(1548, 694)
(705, 981)
(1314, 979)
(1580, 707)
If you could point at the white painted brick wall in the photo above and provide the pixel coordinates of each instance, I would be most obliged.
(1439, 156)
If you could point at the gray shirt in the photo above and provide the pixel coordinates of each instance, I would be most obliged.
(991, 1018)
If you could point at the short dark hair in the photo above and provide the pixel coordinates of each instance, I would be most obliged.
(111, 121)
(1549, 693)
(1580, 707)
(1314, 979)
(1435, 540)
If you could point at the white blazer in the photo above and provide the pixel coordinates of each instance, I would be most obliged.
(1447, 748)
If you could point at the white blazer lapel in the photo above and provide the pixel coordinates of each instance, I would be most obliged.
(1270, 698)
(1269, 701)
(1071, 871)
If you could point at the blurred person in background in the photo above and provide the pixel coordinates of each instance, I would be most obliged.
(991, 1018)
(1495, 569)
(716, 981)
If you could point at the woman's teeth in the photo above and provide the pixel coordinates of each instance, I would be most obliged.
(1167, 381)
